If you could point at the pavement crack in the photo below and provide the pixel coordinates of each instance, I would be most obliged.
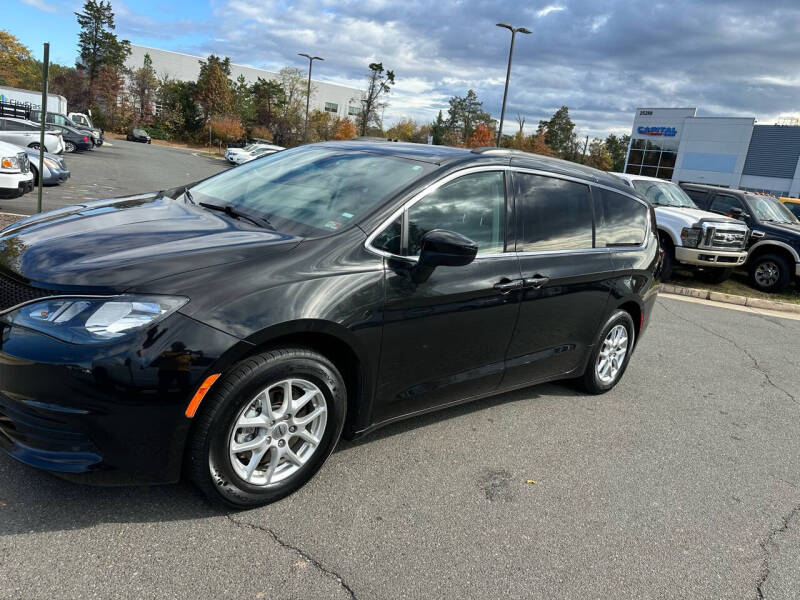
(736, 345)
(300, 552)
(768, 543)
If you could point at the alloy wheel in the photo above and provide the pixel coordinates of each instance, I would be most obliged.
(278, 431)
(767, 274)
(612, 354)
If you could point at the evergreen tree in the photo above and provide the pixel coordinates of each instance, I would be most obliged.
(98, 46)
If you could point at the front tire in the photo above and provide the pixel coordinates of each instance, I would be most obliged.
(611, 355)
(770, 273)
(668, 262)
(266, 427)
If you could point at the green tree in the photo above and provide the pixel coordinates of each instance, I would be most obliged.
(243, 104)
(465, 113)
(268, 96)
(559, 134)
(98, 46)
(379, 84)
(438, 129)
(144, 84)
(618, 149)
(214, 92)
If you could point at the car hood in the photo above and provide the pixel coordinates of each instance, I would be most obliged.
(686, 217)
(113, 245)
(784, 228)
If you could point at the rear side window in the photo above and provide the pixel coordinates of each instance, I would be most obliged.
(794, 208)
(552, 214)
(620, 220)
(723, 204)
(698, 197)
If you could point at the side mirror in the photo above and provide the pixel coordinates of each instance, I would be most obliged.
(442, 248)
(738, 213)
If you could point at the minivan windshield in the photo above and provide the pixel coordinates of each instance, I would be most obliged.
(663, 193)
(311, 190)
(770, 210)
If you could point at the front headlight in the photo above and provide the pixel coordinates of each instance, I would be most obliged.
(51, 164)
(9, 164)
(94, 320)
(691, 236)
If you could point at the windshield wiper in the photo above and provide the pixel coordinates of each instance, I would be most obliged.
(188, 194)
(238, 213)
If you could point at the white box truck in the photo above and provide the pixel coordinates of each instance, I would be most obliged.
(55, 103)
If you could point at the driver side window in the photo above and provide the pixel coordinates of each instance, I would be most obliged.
(723, 204)
(472, 205)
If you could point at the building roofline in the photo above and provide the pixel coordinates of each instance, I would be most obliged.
(233, 64)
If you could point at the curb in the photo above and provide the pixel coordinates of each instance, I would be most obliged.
(730, 298)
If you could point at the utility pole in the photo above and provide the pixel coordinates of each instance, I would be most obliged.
(513, 31)
(311, 59)
(45, 73)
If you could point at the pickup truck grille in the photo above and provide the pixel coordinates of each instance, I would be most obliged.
(722, 239)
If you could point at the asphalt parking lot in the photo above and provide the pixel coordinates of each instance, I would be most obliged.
(119, 168)
(680, 483)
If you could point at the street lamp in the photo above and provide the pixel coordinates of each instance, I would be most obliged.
(513, 31)
(311, 59)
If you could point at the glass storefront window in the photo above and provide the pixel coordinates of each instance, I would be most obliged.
(668, 160)
(649, 171)
(636, 157)
(651, 145)
(651, 158)
(637, 144)
(634, 169)
(664, 173)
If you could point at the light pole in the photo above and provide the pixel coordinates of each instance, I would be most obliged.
(513, 31)
(311, 59)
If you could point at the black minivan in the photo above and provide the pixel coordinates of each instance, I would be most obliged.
(237, 327)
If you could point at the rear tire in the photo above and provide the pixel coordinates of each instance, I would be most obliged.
(606, 364)
(254, 392)
(770, 273)
(69, 146)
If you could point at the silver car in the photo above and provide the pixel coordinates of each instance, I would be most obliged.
(21, 132)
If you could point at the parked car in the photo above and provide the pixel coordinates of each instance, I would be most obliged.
(706, 242)
(774, 258)
(231, 152)
(138, 135)
(54, 168)
(15, 175)
(258, 152)
(234, 325)
(95, 134)
(793, 204)
(74, 140)
(21, 132)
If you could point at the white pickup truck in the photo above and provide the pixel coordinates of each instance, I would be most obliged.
(711, 244)
(15, 174)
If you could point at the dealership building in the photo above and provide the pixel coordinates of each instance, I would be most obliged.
(676, 144)
(339, 100)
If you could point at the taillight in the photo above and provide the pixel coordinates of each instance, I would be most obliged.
(85, 139)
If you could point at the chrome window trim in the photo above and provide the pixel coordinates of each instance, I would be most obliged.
(514, 169)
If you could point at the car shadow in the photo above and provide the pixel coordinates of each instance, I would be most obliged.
(35, 501)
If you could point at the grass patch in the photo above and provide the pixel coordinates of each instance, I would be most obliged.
(738, 285)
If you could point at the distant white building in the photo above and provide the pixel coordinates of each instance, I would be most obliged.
(336, 99)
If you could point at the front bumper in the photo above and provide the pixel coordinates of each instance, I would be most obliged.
(23, 187)
(106, 414)
(710, 258)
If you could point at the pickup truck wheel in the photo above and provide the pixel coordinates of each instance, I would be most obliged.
(770, 273)
(715, 275)
(610, 357)
(669, 258)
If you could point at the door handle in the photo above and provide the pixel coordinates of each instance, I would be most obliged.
(536, 282)
(504, 286)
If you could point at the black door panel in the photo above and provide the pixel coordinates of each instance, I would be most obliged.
(445, 339)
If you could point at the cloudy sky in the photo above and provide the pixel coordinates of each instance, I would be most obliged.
(601, 58)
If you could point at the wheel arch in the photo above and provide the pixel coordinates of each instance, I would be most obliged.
(773, 247)
(663, 232)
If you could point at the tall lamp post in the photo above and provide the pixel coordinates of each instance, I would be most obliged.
(514, 31)
(311, 60)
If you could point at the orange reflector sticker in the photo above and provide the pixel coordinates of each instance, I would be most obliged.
(200, 394)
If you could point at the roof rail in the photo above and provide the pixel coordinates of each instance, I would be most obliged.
(500, 151)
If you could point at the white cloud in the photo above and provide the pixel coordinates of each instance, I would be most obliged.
(41, 5)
